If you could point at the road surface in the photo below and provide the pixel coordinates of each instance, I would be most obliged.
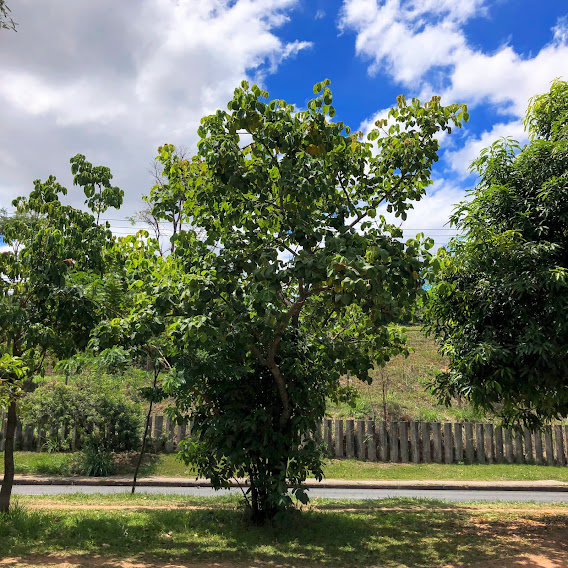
(451, 495)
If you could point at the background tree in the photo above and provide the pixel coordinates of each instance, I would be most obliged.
(44, 310)
(499, 302)
(293, 284)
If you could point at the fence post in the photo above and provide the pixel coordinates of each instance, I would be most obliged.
(360, 449)
(437, 440)
(489, 439)
(426, 450)
(414, 442)
(403, 436)
(538, 453)
(458, 442)
(479, 443)
(371, 440)
(328, 435)
(318, 432)
(560, 457)
(508, 446)
(393, 442)
(349, 439)
(169, 435)
(158, 431)
(448, 443)
(338, 438)
(528, 445)
(383, 442)
(519, 457)
(469, 448)
(19, 436)
(548, 445)
(499, 444)
(2, 431)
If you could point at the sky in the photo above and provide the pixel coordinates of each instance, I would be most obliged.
(114, 80)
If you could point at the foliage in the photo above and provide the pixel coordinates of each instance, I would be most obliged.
(101, 415)
(6, 22)
(45, 310)
(499, 301)
(289, 280)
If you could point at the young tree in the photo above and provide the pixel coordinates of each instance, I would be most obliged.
(44, 309)
(295, 282)
(499, 301)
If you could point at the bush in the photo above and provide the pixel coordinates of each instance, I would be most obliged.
(101, 416)
(95, 461)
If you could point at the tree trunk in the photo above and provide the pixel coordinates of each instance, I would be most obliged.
(143, 448)
(8, 481)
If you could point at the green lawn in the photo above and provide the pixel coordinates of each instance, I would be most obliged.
(390, 534)
(169, 466)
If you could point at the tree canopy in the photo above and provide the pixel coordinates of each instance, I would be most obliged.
(46, 308)
(499, 302)
(288, 278)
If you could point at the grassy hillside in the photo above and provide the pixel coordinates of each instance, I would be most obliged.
(399, 392)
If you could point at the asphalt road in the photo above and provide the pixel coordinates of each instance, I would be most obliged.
(450, 495)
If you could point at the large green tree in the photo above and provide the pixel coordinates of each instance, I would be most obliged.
(289, 279)
(55, 250)
(499, 302)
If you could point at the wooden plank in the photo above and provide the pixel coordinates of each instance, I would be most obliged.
(318, 433)
(349, 439)
(499, 455)
(371, 440)
(29, 437)
(458, 442)
(403, 439)
(489, 442)
(338, 438)
(509, 456)
(469, 447)
(448, 443)
(527, 439)
(169, 435)
(18, 436)
(2, 431)
(328, 435)
(559, 443)
(479, 444)
(393, 442)
(158, 432)
(425, 435)
(437, 442)
(414, 443)
(519, 456)
(538, 453)
(383, 441)
(360, 446)
(548, 445)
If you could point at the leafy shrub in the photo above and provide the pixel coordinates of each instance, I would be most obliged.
(99, 414)
(95, 461)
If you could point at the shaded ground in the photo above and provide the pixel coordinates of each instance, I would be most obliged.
(60, 533)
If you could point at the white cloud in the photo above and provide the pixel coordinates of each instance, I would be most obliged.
(409, 38)
(461, 159)
(113, 80)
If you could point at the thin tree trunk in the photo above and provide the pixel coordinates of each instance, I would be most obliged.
(143, 448)
(8, 481)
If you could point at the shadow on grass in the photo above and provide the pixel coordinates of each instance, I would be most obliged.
(432, 536)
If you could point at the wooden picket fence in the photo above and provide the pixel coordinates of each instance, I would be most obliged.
(398, 442)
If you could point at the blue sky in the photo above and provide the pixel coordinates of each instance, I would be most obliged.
(113, 80)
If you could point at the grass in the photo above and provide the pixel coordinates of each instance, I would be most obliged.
(168, 465)
(100, 530)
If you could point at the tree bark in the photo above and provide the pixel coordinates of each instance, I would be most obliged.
(8, 481)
